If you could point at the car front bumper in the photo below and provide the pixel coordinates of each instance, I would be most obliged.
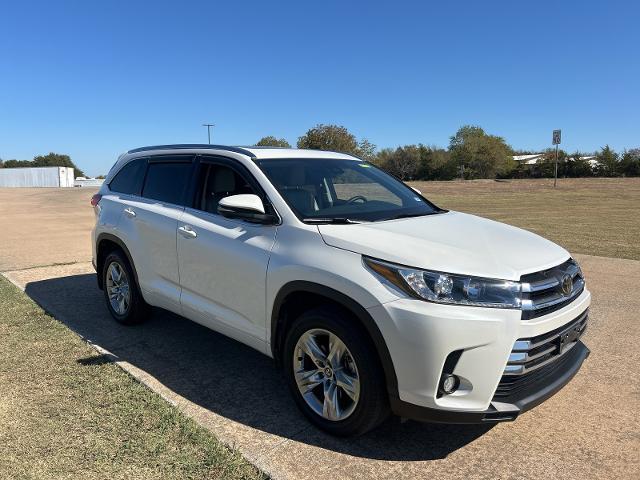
(507, 409)
(422, 336)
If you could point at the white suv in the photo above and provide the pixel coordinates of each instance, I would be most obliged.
(372, 299)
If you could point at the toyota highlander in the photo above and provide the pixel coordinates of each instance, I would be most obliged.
(371, 299)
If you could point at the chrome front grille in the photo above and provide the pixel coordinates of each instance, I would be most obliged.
(550, 290)
(530, 354)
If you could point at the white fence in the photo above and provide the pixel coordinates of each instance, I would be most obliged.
(37, 177)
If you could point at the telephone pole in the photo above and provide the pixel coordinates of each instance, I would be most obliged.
(209, 125)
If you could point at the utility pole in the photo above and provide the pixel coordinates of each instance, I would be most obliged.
(209, 125)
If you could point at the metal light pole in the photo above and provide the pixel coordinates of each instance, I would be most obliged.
(209, 125)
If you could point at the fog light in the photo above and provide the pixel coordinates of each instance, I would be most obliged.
(450, 383)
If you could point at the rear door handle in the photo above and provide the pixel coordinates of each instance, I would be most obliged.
(129, 212)
(187, 232)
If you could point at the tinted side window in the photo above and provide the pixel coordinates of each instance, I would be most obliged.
(167, 182)
(129, 179)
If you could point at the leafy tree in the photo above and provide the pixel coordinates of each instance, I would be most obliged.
(56, 160)
(480, 155)
(382, 157)
(403, 162)
(546, 166)
(436, 164)
(272, 141)
(630, 163)
(577, 166)
(18, 163)
(417, 162)
(608, 161)
(336, 138)
(366, 150)
(49, 160)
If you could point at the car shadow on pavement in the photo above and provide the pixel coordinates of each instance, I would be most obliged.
(226, 377)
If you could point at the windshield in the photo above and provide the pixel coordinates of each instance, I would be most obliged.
(330, 190)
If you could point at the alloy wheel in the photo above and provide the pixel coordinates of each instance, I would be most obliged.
(117, 284)
(326, 374)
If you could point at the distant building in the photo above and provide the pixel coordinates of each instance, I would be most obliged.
(528, 159)
(37, 177)
(534, 158)
(592, 160)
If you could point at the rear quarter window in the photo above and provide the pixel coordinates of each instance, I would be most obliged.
(129, 179)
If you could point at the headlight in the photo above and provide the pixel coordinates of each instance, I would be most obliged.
(441, 287)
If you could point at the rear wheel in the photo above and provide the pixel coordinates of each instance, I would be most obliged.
(333, 373)
(124, 301)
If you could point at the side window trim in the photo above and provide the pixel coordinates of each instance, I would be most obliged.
(144, 177)
(179, 158)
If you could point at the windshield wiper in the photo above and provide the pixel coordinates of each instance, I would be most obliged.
(335, 221)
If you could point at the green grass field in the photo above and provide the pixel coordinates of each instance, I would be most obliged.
(596, 216)
(66, 413)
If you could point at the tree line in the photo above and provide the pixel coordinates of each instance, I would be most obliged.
(472, 153)
(49, 160)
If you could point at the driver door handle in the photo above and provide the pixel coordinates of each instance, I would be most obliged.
(187, 232)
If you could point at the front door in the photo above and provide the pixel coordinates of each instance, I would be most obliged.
(223, 262)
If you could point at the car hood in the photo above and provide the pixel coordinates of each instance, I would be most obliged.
(450, 242)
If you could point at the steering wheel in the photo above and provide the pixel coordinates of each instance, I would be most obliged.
(357, 198)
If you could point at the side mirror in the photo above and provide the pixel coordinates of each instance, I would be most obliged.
(246, 207)
(416, 190)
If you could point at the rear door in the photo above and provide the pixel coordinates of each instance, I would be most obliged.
(149, 224)
(223, 262)
(124, 187)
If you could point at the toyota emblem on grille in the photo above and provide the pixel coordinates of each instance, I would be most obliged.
(567, 284)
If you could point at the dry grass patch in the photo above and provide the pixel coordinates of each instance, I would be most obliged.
(65, 412)
(596, 216)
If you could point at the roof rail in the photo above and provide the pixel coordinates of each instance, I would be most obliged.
(193, 146)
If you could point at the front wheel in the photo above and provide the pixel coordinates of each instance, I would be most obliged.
(333, 373)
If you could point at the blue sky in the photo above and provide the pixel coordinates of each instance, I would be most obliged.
(93, 79)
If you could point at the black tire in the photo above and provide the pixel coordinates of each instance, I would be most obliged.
(137, 310)
(372, 406)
